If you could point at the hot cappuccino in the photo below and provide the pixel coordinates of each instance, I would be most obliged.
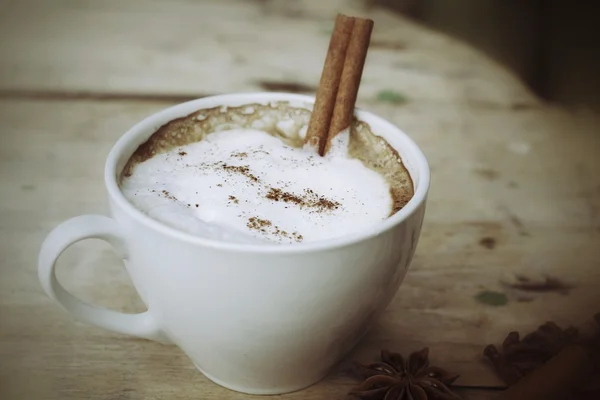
(243, 174)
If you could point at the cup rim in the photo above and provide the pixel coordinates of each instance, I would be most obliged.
(159, 118)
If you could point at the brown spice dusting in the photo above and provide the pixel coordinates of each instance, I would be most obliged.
(267, 227)
(279, 195)
(169, 195)
(239, 154)
(182, 153)
(308, 199)
(321, 201)
(240, 169)
(258, 223)
(233, 199)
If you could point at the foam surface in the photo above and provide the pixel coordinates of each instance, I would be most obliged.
(247, 186)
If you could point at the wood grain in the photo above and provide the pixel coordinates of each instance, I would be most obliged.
(213, 46)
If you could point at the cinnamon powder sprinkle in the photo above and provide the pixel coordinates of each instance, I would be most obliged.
(266, 226)
(308, 199)
(258, 223)
(240, 169)
(167, 195)
(279, 195)
(233, 199)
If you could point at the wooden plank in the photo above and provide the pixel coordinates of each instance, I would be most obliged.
(527, 179)
(196, 47)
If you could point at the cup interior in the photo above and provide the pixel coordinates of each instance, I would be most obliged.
(412, 157)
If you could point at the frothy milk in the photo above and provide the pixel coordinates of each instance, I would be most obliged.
(241, 183)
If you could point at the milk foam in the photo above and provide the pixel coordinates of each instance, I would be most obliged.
(247, 186)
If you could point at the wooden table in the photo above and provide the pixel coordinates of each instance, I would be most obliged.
(515, 188)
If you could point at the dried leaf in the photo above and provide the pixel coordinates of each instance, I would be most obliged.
(391, 96)
(491, 298)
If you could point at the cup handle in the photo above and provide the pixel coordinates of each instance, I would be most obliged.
(68, 233)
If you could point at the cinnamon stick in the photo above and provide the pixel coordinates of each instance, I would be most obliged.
(336, 96)
(556, 379)
(318, 127)
(345, 101)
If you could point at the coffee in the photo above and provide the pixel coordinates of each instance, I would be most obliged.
(243, 174)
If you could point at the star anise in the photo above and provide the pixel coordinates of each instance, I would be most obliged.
(520, 357)
(592, 389)
(395, 378)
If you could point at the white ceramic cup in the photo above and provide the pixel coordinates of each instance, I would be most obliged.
(259, 319)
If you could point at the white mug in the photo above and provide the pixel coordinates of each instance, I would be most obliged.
(258, 319)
